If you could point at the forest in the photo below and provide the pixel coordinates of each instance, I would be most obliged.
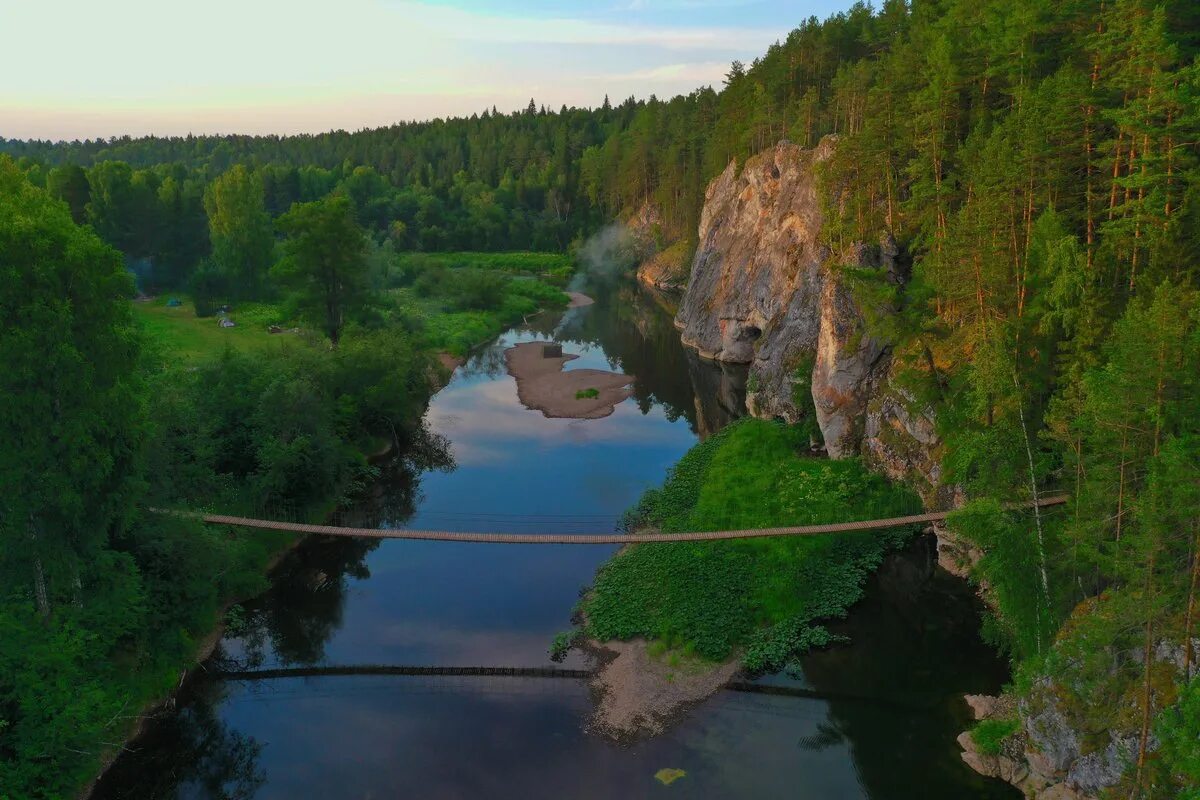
(1038, 163)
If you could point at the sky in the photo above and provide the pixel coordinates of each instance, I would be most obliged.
(79, 69)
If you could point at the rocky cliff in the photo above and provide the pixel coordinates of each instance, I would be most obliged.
(1061, 748)
(661, 265)
(766, 291)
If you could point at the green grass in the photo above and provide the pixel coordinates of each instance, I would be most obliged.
(761, 597)
(990, 734)
(555, 266)
(181, 333)
(441, 327)
(587, 394)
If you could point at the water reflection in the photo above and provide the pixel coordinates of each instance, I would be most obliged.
(720, 393)
(883, 728)
(635, 332)
(191, 754)
(914, 645)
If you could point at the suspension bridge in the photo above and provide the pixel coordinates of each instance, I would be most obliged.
(901, 700)
(551, 537)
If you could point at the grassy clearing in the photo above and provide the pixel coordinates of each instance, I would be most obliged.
(556, 267)
(180, 332)
(763, 597)
(443, 323)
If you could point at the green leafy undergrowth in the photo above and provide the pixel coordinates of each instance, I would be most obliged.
(443, 322)
(760, 596)
(990, 734)
(587, 394)
(555, 266)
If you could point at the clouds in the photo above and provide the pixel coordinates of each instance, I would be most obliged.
(258, 66)
(451, 22)
(696, 74)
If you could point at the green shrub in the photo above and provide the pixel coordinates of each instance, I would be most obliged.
(761, 595)
(562, 644)
(587, 394)
(556, 265)
(990, 734)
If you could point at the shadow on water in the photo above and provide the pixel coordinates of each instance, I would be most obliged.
(914, 640)
(874, 719)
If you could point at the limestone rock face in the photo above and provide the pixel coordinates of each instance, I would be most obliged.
(645, 227)
(1055, 744)
(1007, 769)
(900, 441)
(660, 266)
(666, 270)
(849, 364)
(756, 279)
(764, 290)
(1101, 769)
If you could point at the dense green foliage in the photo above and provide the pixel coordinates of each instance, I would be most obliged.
(104, 603)
(1180, 743)
(1036, 162)
(240, 232)
(455, 309)
(70, 401)
(554, 267)
(763, 598)
(324, 262)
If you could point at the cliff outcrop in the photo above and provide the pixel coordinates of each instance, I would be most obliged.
(767, 291)
(661, 265)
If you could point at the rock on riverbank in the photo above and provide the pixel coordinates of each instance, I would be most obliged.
(639, 695)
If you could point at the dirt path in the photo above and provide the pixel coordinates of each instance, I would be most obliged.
(543, 385)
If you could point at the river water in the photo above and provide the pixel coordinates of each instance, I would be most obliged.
(873, 719)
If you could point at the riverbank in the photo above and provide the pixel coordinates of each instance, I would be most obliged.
(641, 689)
(205, 648)
(374, 451)
(724, 605)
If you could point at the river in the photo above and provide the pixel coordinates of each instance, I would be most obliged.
(876, 718)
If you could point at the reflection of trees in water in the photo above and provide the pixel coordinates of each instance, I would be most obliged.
(635, 328)
(720, 391)
(292, 622)
(637, 331)
(914, 642)
(303, 608)
(487, 361)
(304, 605)
(193, 751)
(393, 498)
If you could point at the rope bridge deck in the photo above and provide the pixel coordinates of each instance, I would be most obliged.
(900, 700)
(583, 538)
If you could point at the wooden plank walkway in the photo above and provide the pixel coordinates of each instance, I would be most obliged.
(582, 538)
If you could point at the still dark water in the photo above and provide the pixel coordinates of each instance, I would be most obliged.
(881, 722)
